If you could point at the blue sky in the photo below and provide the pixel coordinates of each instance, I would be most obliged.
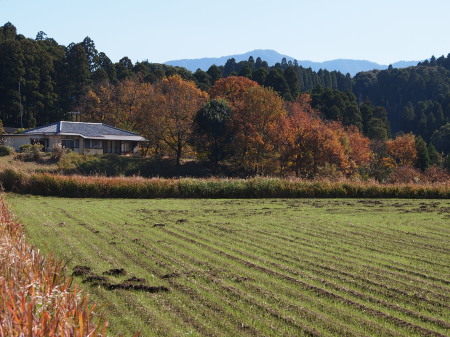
(382, 31)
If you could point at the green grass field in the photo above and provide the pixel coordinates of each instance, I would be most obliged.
(255, 267)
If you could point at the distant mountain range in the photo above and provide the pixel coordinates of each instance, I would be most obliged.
(271, 57)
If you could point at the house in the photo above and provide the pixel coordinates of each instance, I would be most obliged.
(81, 137)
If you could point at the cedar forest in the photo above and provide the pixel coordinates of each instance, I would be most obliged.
(258, 119)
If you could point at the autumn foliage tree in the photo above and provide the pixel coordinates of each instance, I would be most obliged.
(172, 121)
(232, 89)
(311, 143)
(257, 119)
(403, 150)
(162, 113)
(123, 105)
(359, 152)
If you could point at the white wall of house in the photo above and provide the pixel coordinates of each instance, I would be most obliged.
(17, 141)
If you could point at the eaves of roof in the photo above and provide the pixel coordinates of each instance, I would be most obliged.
(101, 137)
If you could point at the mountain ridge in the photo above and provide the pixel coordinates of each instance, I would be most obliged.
(350, 66)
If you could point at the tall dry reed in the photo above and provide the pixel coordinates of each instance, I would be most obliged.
(137, 187)
(36, 297)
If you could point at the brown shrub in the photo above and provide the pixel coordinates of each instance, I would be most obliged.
(405, 175)
(436, 174)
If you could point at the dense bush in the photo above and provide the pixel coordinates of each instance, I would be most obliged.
(6, 150)
(405, 175)
(30, 152)
(58, 152)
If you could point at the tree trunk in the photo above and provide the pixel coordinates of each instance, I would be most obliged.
(179, 152)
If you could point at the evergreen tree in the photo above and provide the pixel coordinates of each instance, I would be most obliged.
(376, 129)
(77, 76)
(441, 139)
(292, 81)
(423, 158)
(213, 130)
(260, 76)
(261, 64)
(105, 71)
(230, 67)
(275, 80)
(435, 157)
(12, 71)
(8, 32)
(352, 116)
(408, 117)
(246, 70)
(203, 79)
(366, 110)
(214, 73)
(251, 62)
(91, 53)
(446, 162)
(124, 68)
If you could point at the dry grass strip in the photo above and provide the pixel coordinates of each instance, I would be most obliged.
(36, 296)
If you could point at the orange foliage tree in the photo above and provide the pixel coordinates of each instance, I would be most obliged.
(360, 153)
(403, 150)
(130, 105)
(172, 118)
(97, 102)
(232, 89)
(310, 144)
(356, 147)
(123, 105)
(256, 121)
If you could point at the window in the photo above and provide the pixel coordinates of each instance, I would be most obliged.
(93, 144)
(70, 143)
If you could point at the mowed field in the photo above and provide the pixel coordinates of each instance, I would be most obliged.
(254, 267)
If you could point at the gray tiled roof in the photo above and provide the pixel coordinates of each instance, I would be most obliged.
(81, 128)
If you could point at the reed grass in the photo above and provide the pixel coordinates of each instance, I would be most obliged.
(138, 187)
(36, 297)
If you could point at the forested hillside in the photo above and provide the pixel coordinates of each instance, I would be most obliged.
(240, 111)
(53, 78)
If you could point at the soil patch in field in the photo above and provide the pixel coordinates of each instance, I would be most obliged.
(97, 279)
(81, 271)
(133, 283)
(115, 272)
(171, 275)
(133, 286)
(135, 279)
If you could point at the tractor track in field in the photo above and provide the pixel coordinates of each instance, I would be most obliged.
(319, 291)
(314, 265)
(356, 293)
(177, 261)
